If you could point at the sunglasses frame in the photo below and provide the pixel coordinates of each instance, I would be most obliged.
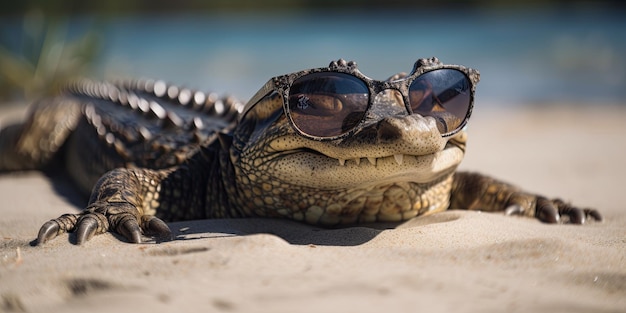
(282, 85)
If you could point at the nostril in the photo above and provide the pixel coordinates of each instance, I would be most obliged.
(388, 130)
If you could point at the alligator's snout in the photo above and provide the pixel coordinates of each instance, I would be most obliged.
(384, 131)
(389, 129)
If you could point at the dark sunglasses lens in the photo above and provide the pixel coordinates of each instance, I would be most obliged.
(327, 104)
(444, 94)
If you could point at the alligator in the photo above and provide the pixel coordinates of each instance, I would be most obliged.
(326, 146)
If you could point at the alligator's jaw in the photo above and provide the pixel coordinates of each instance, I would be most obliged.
(415, 153)
(322, 172)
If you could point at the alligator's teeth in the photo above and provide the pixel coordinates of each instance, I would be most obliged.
(372, 160)
(399, 158)
(357, 161)
(342, 162)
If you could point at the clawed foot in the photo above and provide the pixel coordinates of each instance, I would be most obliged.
(557, 211)
(99, 218)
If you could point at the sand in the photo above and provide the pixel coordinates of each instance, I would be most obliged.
(456, 261)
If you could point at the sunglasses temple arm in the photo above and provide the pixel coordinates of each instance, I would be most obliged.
(268, 88)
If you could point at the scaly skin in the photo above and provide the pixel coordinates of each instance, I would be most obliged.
(166, 154)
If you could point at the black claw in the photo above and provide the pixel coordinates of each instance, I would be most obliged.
(48, 231)
(546, 212)
(593, 213)
(130, 230)
(87, 227)
(154, 226)
(576, 216)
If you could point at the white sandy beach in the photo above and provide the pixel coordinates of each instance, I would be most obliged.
(456, 261)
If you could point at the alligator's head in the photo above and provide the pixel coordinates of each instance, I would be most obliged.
(392, 166)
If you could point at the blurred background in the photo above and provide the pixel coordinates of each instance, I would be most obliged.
(528, 52)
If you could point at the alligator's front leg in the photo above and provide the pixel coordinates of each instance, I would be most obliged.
(473, 191)
(123, 201)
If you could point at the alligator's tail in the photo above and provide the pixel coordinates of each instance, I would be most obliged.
(34, 143)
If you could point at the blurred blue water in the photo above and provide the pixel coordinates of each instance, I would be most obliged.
(525, 56)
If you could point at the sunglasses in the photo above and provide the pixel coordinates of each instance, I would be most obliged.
(332, 102)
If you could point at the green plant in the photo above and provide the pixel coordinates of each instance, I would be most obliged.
(44, 59)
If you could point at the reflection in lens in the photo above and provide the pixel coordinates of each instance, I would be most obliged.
(327, 104)
(444, 94)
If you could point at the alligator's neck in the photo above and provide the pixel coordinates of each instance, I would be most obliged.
(220, 183)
